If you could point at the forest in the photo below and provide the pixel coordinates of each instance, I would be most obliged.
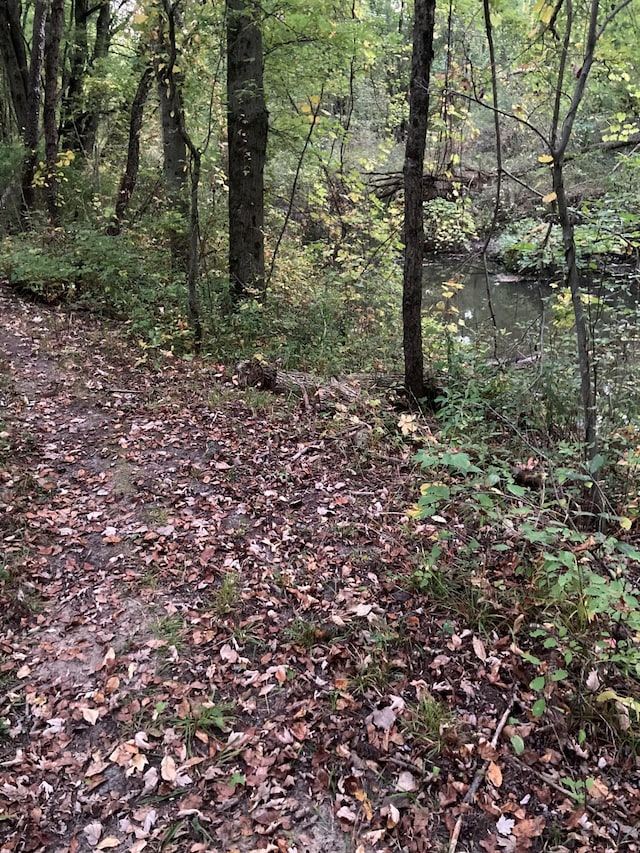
(319, 425)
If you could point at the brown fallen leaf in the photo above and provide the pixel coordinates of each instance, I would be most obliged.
(109, 842)
(90, 715)
(168, 769)
(494, 774)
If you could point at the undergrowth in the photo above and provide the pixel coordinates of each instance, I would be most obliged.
(512, 538)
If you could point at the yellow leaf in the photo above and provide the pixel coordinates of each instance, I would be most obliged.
(545, 158)
(625, 523)
(546, 14)
(547, 199)
(606, 695)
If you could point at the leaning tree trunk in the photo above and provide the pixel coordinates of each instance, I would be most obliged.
(247, 129)
(130, 177)
(413, 212)
(34, 97)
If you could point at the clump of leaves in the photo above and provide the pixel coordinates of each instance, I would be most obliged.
(449, 225)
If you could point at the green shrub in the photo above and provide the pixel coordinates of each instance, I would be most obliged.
(448, 225)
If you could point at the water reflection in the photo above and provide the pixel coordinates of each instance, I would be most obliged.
(504, 302)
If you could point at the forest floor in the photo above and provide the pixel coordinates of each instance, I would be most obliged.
(212, 637)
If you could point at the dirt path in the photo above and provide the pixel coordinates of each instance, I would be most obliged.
(211, 636)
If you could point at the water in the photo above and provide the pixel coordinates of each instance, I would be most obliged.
(509, 304)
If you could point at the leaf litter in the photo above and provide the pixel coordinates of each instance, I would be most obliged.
(211, 639)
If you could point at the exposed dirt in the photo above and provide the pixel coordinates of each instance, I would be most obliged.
(212, 639)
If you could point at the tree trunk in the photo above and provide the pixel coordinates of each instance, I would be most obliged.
(174, 149)
(34, 97)
(413, 211)
(88, 125)
(51, 69)
(80, 121)
(72, 104)
(582, 335)
(247, 129)
(182, 142)
(130, 177)
(14, 58)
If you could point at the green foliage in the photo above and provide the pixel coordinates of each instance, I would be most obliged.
(125, 276)
(204, 717)
(607, 227)
(582, 579)
(227, 595)
(449, 226)
(332, 304)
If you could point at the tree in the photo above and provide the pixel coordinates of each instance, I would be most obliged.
(130, 176)
(32, 114)
(424, 19)
(14, 57)
(174, 148)
(247, 129)
(52, 68)
(80, 117)
(560, 135)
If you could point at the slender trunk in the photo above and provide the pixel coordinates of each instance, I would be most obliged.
(130, 176)
(79, 119)
(582, 334)
(194, 249)
(498, 136)
(413, 210)
(184, 143)
(32, 124)
(174, 149)
(51, 70)
(247, 129)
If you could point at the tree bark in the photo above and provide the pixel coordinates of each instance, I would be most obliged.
(174, 149)
(413, 212)
(55, 25)
(130, 176)
(90, 119)
(582, 335)
(247, 129)
(34, 98)
(79, 120)
(14, 58)
(560, 136)
(72, 104)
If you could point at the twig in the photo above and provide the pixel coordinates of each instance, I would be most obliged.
(480, 774)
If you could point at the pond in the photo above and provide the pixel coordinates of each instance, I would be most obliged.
(503, 301)
(521, 309)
